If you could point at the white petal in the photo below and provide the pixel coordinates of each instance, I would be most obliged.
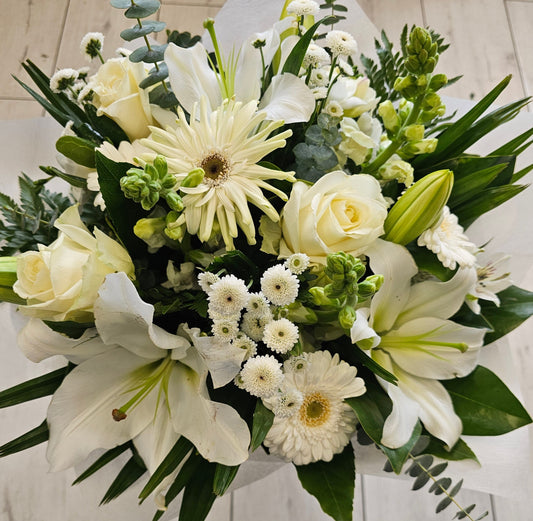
(123, 318)
(397, 267)
(362, 332)
(288, 98)
(438, 299)
(70, 223)
(216, 430)
(422, 348)
(80, 413)
(37, 341)
(190, 76)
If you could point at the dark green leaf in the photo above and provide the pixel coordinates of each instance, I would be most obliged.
(420, 481)
(198, 496)
(438, 469)
(123, 212)
(332, 483)
(445, 503)
(262, 421)
(224, 476)
(32, 389)
(149, 26)
(456, 488)
(511, 146)
(426, 260)
(460, 451)
(72, 180)
(485, 405)
(181, 448)
(468, 186)
(127, 476)
(520, 174)
(419, 464)
(81, 151)
(103, 460)
(105, 126)
(155, 76)
(155, 54)
(464, 512)
(185, 474)
(29, 439)
(142, 9)
(338, 7)
(442, 483)
(397, 457)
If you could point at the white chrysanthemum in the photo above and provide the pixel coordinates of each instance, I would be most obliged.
(262, 376)
(258, 304)
(206, 279)
(279, 285)
(225, 329)
(447, 240)
(324, 423)
(285, 403)
(315, 55)
(319, 77)
(280, 335)
(320, 92)
(85, 94)
(228, 296)
(243, 341)
(298, 363)
(63, 79)
(297, 263)
(91, 45)
(333, 108)
(345, 67)
(303, 7)
(227, 145)
(341, 43)
(253, 325)
(122, 52)
(83, 73)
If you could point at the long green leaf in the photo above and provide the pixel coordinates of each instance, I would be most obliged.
(332, 483)
(186, 473)
(398, 457)
(29, 439)
(262, 421)
(460, 451)
(485, 405)
(198, 496)
(79, 150)
(467, 187)
(128, 475)
(513, 145)
(181, 448)
(520, 174)
(224, 476)
(103, 460)
(44, 385)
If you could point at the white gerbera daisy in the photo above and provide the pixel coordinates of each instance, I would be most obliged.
(447, 240)
(279, 285)
(280, 335)
(323, 424)
(341, 43)
(227, 146)
(228, 296)
(297, 263)
(262, 376)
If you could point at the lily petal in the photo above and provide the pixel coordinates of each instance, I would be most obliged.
(361, 333)
(216, 430)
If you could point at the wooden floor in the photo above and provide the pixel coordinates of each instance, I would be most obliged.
(490, 39)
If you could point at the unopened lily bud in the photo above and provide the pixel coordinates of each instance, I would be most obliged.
(146, 228)
(369, 286)
(419, 207)
(388, 114)
(193, 179)
(347, 317)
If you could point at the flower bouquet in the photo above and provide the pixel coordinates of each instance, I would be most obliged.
(262, 248)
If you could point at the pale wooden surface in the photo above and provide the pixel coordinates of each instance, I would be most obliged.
(490, 39)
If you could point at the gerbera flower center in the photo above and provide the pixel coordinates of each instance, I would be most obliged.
(216, 167)
(315, 410)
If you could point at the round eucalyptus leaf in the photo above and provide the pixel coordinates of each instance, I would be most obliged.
(143, 8)
(153, 55)
(150, 26)
(121, 4)
(155, 76)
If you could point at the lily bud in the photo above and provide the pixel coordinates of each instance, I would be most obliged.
(419, 207)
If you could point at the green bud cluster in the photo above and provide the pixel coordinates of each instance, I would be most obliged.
(146, 186)
(421, 53)
(344, 270)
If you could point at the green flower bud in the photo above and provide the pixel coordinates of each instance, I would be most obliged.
(397, 169)
(194, 178)
(370, 285)
(438, 81)
(347, 317)
(388, 114)
(320, 298)
(414, 132)
(146, 228)
(419, 207)
(174, 201)
(421, 51)
(424, 146)
(175, 227)
(161, 167)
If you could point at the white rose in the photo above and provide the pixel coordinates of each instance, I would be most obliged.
(339, 212)
(117, 95)
(355, 96)
(61, 281)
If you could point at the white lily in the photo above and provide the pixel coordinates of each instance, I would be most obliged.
(136, 381)
(287, 98)
(418, 344)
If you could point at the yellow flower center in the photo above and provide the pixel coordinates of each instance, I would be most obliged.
(315, 410)
(216, 167)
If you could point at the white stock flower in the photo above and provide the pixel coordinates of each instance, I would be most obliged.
(261, 376)
(354, 95)
(279, 285)
(341, 43)
(418, 343)
(447, 240)
(340, 212)
(359, 138)
(324, 423)
(280, 335)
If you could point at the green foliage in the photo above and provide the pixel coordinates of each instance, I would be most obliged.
(398, 457)
(332, 483)
(79, 150)
(460, 451)
(31, 438)
(44, 385)
(183, 39)
(485, 405)
(262, 421)
(103, 460)
(128, 475)
(147, 27)
(224, 476)
(25, 225)
(198, 496)
(77, 182)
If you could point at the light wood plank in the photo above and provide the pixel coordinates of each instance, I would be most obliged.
(19, 109)
(186, 3)
(505, 508)
(481, 46)
(186, 18)
(280, 496)
(521, 18)
(84, 17)
(29, 30)
(392, 498)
